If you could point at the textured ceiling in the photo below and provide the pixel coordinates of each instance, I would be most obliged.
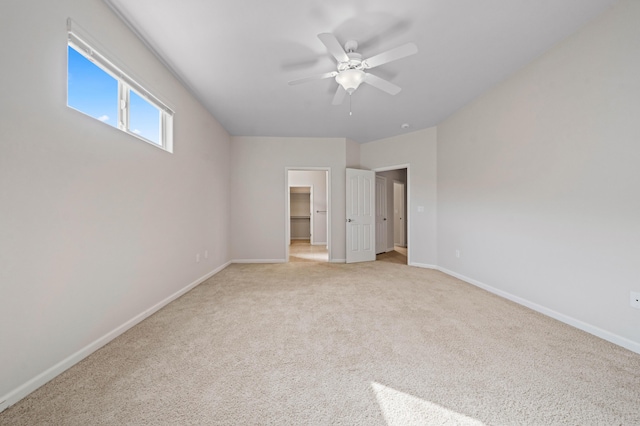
(237, 56)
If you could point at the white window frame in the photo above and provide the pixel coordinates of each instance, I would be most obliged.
(126, 84)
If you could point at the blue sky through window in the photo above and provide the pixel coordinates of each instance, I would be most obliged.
(90, 89)
(144, 118)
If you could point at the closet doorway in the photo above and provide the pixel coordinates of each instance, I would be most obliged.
(301, 219)
(307, 236)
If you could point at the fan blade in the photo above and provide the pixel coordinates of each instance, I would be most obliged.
(333, 46)
(390, 55)
(313, 77)
(339, 96)
(382, 84)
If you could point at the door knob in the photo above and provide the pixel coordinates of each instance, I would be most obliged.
(349, 220)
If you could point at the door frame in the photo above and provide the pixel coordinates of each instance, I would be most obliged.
(287, 218)
(407, 201)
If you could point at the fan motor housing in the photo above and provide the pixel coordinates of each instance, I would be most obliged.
(355, 62)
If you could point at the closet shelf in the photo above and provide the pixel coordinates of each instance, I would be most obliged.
(300, 217)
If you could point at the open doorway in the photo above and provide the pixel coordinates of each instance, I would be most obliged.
(392, 215)
(307, 236)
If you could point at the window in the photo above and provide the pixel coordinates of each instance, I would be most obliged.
(144, 118)
(90, 89)
(96, 87)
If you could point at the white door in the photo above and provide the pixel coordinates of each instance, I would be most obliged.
(311, 215)
(360, 216)
(381, 214)
(398, 215)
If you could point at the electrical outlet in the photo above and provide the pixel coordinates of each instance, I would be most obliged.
(197, 257)
(635, 299)
(458, 254)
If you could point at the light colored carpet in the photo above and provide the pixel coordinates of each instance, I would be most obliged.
(319, 343)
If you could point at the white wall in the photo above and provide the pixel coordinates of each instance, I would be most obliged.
(539, 181)
(96, 226)
(353, 154)
(418, 151)
(258, 188)
(317, 179)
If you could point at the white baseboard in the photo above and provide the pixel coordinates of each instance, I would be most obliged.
(319, 244)
(589, 328)
(258, 261)
(423, 265)
(338, 261)
(20, 392)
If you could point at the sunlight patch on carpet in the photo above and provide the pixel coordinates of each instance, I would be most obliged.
(399, 408)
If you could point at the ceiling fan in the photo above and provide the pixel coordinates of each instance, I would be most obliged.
(351, 67)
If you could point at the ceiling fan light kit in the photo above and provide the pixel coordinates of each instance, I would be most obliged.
(351, 67)
(350, 79)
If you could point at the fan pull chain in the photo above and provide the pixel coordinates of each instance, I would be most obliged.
(350, 113)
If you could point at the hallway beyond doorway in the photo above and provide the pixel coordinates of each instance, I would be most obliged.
(303, 251)
(397, 255)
